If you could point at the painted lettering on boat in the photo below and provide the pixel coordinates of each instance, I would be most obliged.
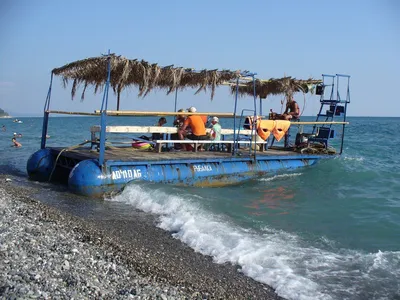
(202, 168)
(126, 174)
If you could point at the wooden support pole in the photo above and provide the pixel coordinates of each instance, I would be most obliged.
(318, 123)
(163, 113)
(160, 113)
(72, 113)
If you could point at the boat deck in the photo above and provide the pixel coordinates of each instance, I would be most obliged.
(131, 154)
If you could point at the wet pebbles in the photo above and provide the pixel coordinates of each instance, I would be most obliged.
(48, 254)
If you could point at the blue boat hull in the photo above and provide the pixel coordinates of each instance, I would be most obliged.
(88, 178)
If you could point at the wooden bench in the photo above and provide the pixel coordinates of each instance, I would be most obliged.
(157, 129)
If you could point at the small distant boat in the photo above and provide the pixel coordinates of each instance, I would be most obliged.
(17, 121)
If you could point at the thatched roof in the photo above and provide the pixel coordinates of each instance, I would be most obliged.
(286, 85)
(142, 74)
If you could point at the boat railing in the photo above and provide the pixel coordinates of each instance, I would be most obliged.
(173, 130)
(157, 129)
(167, 131)
(163, 113)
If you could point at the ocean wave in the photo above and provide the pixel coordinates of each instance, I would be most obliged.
(293, 267)
(280, 176)
(353, 158)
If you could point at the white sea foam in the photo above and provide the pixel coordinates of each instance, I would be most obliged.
(280, 176)
(355, 158)
(284, 261)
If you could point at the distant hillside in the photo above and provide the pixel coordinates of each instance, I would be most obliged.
(3, 113)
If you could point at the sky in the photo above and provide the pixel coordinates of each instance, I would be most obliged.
(302, 39)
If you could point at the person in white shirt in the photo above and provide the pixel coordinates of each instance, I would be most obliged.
(215, 129)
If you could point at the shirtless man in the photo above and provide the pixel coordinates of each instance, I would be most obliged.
(292, 110)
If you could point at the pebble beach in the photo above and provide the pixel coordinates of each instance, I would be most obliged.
(46, 253)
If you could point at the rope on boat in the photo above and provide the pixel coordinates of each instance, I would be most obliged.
(318, 149)
(65, 149)
(110, 146)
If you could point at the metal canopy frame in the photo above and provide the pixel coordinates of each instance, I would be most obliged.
(103, 111)
(243, 77)
(332, 82)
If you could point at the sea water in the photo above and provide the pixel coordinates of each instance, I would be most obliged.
(329, 231)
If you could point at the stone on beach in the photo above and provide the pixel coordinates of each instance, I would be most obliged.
(47, 253)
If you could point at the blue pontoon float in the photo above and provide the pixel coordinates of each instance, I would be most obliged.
(96, 167)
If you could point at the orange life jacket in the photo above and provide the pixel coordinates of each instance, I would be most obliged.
(280, 129)
(264, 128)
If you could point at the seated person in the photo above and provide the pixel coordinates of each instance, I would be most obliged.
(193, 109)
(179, 119)
(292, 111)
(161, 122)
(178, 123)
(15, 143)
(215, 133)
(196, 124)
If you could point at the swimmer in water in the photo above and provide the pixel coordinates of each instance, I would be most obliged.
(15, 143)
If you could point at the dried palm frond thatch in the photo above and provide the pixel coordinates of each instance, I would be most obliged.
(276, 86)
(132, 72)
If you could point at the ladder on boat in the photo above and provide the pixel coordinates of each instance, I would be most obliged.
(333, 107)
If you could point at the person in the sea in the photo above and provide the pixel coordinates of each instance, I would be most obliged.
(197, 126)
(17, 134)
(292, 111)
(160, 123)
(4, 128)
(15, 143)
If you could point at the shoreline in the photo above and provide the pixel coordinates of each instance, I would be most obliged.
(104, 258)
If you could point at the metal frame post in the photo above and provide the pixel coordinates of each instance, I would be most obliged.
(345, 111)
(234, 117)
(344, 126)
(103, 121)
(255, 117)
(176, 98)
(46, 115)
